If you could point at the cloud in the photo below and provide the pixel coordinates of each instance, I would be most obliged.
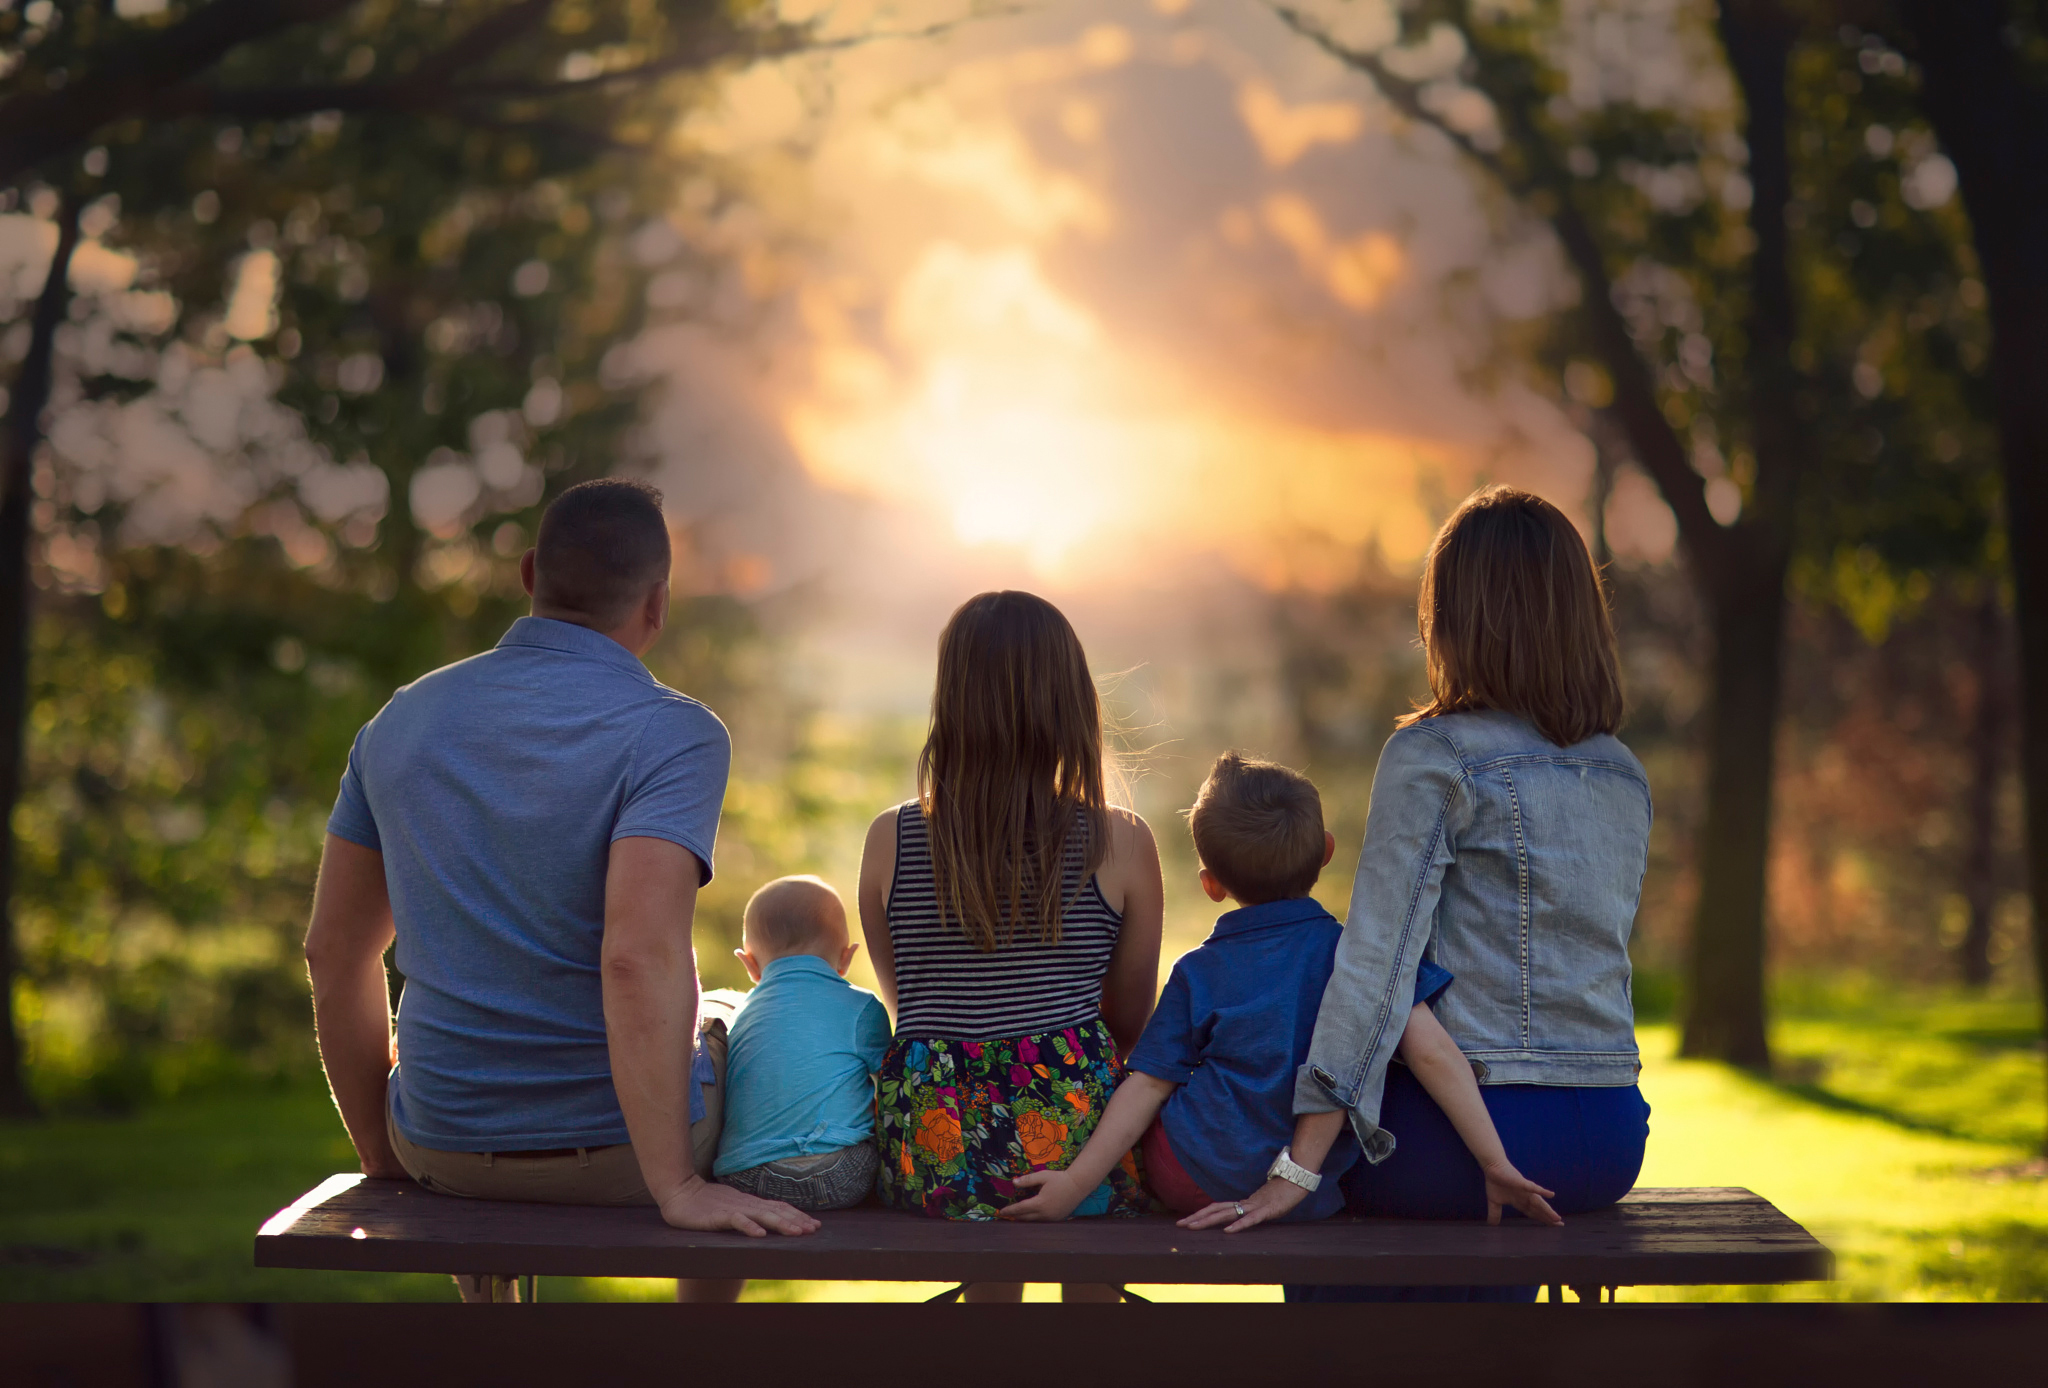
(1108, 288)
(1285, 133)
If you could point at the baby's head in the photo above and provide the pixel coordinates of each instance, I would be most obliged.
(795, 915)
(1258, 830)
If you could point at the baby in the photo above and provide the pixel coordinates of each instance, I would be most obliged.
(799, 1099)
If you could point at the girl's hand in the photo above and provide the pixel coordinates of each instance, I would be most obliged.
(1269, 1201)
(1507, 1186)
(1055, 1200)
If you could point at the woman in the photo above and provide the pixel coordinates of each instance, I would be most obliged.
(1013, 918)
(1506, 843)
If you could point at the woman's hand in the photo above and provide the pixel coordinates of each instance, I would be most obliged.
(1269, 1201)
(1056, 1199)
(1507, 1186)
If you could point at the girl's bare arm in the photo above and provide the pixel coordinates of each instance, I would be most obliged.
(1133, 885)
(877, 875)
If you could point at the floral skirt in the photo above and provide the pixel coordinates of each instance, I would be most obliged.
(958, 1121)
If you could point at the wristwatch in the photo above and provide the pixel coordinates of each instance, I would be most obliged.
(1288, 1169)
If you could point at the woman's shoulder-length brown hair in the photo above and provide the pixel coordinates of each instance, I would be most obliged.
(1011, 774)
(1513, 617)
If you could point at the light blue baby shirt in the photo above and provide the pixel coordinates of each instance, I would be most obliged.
(799, 1071)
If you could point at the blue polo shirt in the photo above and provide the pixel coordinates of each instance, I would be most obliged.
(798, 1074)
(1232, 1028)
(494, 789)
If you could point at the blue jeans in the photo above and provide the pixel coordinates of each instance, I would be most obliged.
(1585, 1143)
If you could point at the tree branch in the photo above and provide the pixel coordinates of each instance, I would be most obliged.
(434, 90)
(126, 79)
(1635, 410)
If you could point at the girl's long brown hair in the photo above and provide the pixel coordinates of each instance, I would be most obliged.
(1513, 617)
(1012, 768)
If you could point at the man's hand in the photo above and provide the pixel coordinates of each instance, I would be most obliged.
(1507, 1186)
(700, 1204)
(1269, 1201)
(1056, 1199)
(385, 1168)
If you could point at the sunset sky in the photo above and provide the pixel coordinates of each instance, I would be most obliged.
(1106, 298)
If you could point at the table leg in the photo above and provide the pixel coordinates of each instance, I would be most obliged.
(943, 1298)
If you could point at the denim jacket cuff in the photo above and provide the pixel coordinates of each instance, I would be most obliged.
(1316, 1091)
(1374, 1142)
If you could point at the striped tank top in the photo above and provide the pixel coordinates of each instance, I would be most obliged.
(945, 987)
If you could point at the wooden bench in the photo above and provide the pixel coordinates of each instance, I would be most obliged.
(1652, 1238)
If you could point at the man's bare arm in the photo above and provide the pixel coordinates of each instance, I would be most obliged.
(649, 969)
(345, 944)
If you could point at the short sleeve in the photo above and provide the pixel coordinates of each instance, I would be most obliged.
(677, 781)
(1167, 1050)
(871, 1033)
(352, 819)
(1431, 979)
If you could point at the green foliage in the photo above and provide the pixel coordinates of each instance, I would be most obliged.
(1907, 490)
(167, 842)
(1893, 343)
(386, 275)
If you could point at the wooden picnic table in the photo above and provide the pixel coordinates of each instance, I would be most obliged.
(1708, 1236)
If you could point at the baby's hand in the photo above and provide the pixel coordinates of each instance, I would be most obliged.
(1055, 1199)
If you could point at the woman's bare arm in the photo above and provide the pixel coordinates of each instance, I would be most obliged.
(1131, 986)
(877, 875)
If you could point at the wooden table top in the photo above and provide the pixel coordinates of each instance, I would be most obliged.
(1653, 1237)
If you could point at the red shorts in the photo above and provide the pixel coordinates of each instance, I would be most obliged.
(1165, 1175)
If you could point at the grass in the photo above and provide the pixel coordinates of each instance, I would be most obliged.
(1900, 1130)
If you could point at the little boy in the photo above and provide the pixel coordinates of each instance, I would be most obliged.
(799, 1099)
(1209, 1097)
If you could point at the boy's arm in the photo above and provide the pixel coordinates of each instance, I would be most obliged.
(1131, 1109)
(1436, 1061)
(1447, 1076)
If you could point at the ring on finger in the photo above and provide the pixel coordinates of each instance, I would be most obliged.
(1235, 1205)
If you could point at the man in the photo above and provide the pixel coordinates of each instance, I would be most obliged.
(532, 825)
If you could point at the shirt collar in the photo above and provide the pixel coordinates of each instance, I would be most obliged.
(1291, 911)
(548, 634)
(800, 964)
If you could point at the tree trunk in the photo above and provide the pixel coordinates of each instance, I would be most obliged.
(1724, 999)
(26, 401)
(1988, 732)
(1724, 1005)
(1992, 121)
(1738, 571)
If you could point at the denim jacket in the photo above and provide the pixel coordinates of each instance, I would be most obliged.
(1514, 863)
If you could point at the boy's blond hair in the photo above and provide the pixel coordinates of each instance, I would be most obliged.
(1258, 827)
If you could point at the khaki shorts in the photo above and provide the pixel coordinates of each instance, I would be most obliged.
(585, 1176)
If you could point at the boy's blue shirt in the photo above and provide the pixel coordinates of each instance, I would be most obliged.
(1232, 1027)
(798, 1066)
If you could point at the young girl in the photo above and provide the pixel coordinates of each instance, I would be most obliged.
(1013, 918)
